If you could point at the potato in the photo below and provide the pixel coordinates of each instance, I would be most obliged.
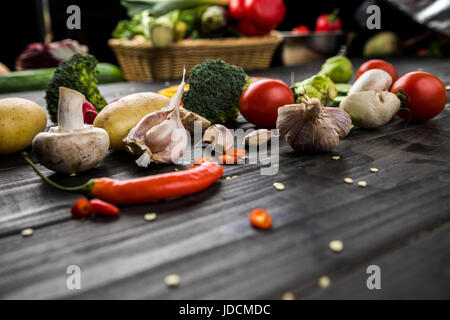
(20, 121)
(119, 117)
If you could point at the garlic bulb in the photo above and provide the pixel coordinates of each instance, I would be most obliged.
(220, 137)
(160, 136)
(309, 126)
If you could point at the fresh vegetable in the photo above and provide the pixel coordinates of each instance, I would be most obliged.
(265, 13)
(4, 69)
(214, 21)
(160, 136)
(145, 189)
(329, 22)
(261, 219)
(162, 30)
(259, 103)
(257, 137)
(200, 160)
(71, 146)
(89, 113)
(337, 101)
(371, 109)
(300, 29)
(228, 159)
(190, 120)
(20, 121)
(81, 209)
(241, 153)
(383, 43)
(378, 64)
(40, 78)
(77, 73)
(422, 94)
(374, 79)
(343, 88)
(215, 88)
(41, 55)
(338, 69)
(170, 91)
(250, 29)
(103, 208)
(309, 126)
(318, 86)
(237, 9)
(161, 7)
(118, 117)
(220, 137)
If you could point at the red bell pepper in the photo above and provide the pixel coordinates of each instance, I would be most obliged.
(329, 22)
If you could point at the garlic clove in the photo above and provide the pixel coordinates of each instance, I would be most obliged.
(160, 136)
(309, 126)
(257, 137)
(220, 137)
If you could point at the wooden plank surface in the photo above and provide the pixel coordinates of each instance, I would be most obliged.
(206, 238)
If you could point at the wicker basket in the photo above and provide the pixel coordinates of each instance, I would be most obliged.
(140, 61)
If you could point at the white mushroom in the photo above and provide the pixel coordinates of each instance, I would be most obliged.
(71, 146)
(375, 79)
(371, 109)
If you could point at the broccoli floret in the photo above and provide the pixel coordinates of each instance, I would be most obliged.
(215, 88)
(77, 73)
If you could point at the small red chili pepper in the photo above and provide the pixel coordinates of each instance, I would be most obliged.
(236, 152)
(81, 209)
(228, 159)
(201, 160)
(103, 208)
(261, 219)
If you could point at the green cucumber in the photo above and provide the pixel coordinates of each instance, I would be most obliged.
(343, 88)
(38, 79)
(337, 101)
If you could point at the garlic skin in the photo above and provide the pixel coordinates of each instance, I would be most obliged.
(371, 109)
(220, 137)
(309, 126)
(160, 136)
(257, 137)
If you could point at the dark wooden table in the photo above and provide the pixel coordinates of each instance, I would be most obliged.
(398, 222)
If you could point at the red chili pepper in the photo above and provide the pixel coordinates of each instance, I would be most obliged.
(104, 208)
(236, 152)
(200, 160)
(329, 22)
(261, 219)
(81, 209)
(145, 189)
(228, 159)
(89, 113)
(301, 29)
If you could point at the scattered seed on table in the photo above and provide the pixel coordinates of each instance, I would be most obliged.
(27, 232)
(73, 174)
(288, 296)
(335, 157)
(172, 280)
(348, 180)
(228, 178)
(374, 170)
(324, 281)
(176, 169)
(232, 177)
(362, 184)
(279, 186)
(336, 245)
(150, 216)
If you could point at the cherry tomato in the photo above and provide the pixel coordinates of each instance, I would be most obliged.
(261, 219)
(265, 13)
(301, 29)
(237, 9)
(422, 93)
(378, 64)
(260, 101)
(329, 22)
(248, 28)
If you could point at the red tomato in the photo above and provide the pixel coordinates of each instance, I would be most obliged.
(422, 93)
(301, 29)
(260, 101)
(248, 28)
(265, 13)
(329, 22)
(378, 64)
(237, 9)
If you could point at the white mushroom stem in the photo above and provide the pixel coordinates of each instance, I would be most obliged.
(70, 109)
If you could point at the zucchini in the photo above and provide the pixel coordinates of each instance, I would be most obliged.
(337, 101)
(343, 88)
(38, 79)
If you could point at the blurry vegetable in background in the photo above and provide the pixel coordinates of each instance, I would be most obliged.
(338, 69)
(378, 64)
(423, 94)
(161, 7)
(162, 31)
(40, 55)
(4, 69)
(215, 88)
(259, 103)
(300, 29)
(40, 78)
(383, 43)
(214, 21)
(329, 22)
(77, 73)
(318, 86)
(237, 9)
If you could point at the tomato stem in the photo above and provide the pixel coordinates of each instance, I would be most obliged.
(404, 98)
(334, 15)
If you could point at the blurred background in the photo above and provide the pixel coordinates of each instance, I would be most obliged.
(411, 34)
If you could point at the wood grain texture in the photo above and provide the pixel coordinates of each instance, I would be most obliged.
(207, 240)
